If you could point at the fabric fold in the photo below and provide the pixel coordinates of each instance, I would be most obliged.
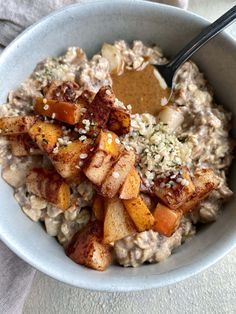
(16, 278)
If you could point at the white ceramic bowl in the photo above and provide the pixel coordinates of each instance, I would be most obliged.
(88, 26)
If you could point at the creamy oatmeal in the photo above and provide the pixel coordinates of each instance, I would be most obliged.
(159, 170)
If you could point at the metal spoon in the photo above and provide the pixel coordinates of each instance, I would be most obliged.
(168, 71)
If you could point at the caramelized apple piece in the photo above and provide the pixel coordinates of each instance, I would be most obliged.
(22, 145)
(107, 149)
(130, 188)
(139, 213)
(98, 166)
(117, 174)
(45, 135)
(205, 182)
(119, 121)
(16, 125)
(96, 117)
(98, 207)
(166, 220)
(60, 110)
(109, 143)
(117, 223)
(50, 186)
(67, 158)
(176, 194)
(86, 247)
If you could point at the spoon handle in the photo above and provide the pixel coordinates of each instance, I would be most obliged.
(208, 33)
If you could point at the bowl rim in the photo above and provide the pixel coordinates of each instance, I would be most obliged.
(135, 283)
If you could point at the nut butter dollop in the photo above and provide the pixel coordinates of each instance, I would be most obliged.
(141, 89)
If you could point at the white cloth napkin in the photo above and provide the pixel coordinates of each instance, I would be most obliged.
(15, 15)
(15, 281)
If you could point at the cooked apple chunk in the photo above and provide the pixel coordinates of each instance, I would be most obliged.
(130, 188)
(117, 174)
(50, 186)
(175, 191)
(117, 223)
(45, 135)
(109, 143)
(22, 145)
(107, 149)
(86, 247)
(119, 121)
(98, 166)
(166, 220)
(67, 158)
(98, 207)
(205, 181)
(98, 112)
(16, 125)
(60, 110)
(139, 213)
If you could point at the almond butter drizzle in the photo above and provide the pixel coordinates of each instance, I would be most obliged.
(141, 89)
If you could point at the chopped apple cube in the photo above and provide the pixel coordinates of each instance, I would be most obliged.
(98, 207)
(117, 223)
(174, 192)
(16, 125)
(67, 158)
(139, 213)
(130, 188)
(45, 135)
(117, 174)
(205, 181)
(166, 220)
(86, 247)
(119, 121)
(60, 110)
(50, 186)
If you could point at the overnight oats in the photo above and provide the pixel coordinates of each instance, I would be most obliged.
(92, 150)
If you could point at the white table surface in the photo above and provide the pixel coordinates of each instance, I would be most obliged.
(212, 291)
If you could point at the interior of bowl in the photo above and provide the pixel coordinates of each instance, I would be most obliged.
(88, 26)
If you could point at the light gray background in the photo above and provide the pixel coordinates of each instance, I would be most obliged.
(212, 291)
